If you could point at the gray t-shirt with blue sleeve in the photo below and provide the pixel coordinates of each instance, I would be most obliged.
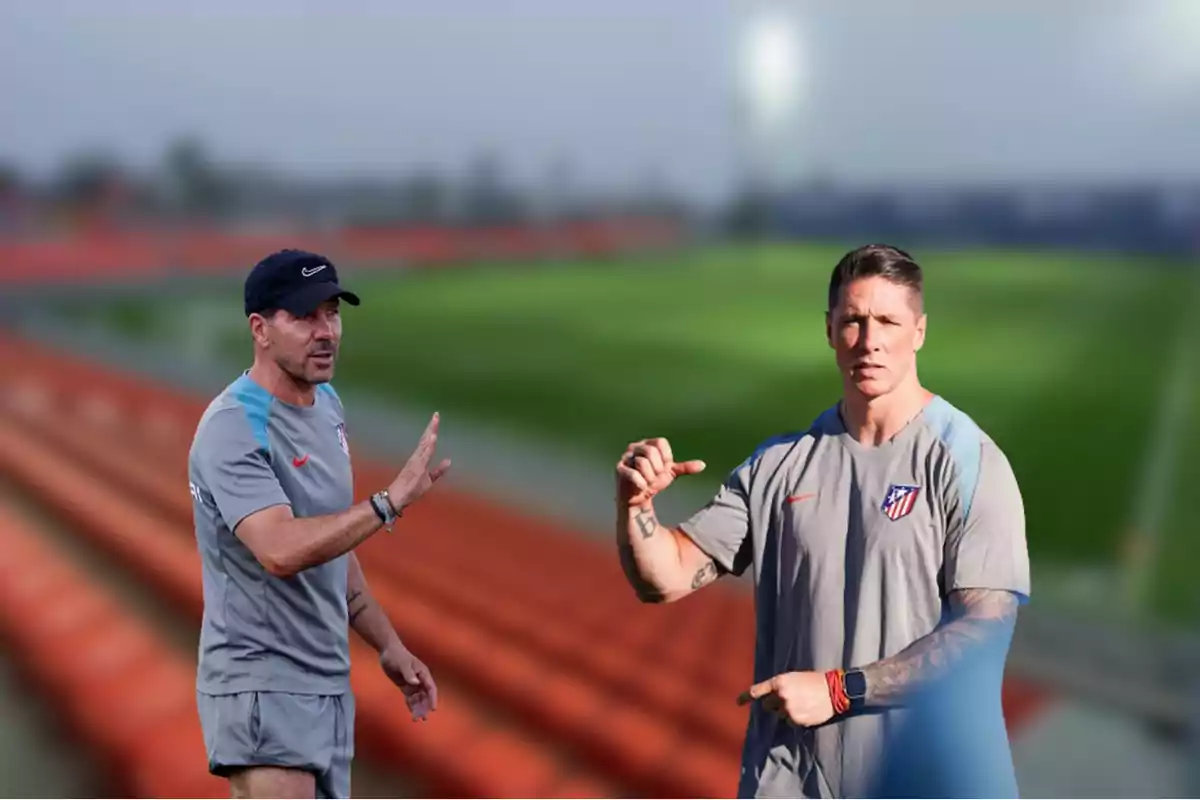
(252, 451)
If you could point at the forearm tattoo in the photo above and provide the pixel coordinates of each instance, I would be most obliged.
(978, 617)
(646, 522)
(705, 575)
(351, 600)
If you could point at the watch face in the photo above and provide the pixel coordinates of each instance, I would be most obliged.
(856, 684)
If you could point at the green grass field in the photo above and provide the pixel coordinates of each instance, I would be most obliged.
(1060, 357)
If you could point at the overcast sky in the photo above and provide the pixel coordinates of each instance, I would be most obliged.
(937, 90)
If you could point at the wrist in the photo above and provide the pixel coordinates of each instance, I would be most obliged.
(847, 690)
(626, 502)
(835, 681)
(386, 508)
(392, 645)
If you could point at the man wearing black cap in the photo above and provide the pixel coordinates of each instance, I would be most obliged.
(276, 527)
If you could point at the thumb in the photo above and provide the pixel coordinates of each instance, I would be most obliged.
(409, 674)
(688, 467)
(439, 470)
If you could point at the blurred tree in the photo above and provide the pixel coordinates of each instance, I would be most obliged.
(194, 184)
(560, 188)
(11, 179)
(85, 177)
(751, 212)
(487, 198)
(656, 196)
(426, 198)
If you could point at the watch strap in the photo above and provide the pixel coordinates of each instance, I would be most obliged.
(383, 508)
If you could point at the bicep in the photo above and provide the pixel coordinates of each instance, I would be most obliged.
(986, 547)
(720, 529)
(984, 604)
(262, 532)
(697, 566)
(237, 470)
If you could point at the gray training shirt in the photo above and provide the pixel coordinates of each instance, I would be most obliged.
(262, 633)
(854, 549)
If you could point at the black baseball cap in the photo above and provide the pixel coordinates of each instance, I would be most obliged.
(296, 281)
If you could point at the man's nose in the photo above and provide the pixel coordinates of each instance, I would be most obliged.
(870, 335)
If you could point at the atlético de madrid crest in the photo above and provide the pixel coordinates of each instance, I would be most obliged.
(900, 500)
(341, 429)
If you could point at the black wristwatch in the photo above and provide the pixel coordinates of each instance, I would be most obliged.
(384, 509)
(856, 688)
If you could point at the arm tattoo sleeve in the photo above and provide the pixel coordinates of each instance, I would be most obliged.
(979, 619)
(646, 522)
(705, 575)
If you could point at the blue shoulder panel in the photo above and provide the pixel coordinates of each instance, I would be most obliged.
(964, 440)
(257, 403)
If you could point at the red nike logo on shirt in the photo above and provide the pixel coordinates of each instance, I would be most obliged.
(796, 498)
(299, 462)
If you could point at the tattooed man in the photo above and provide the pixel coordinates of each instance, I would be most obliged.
(887, 542)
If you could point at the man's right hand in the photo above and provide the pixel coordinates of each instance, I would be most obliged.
(648, 467)
(416, 478)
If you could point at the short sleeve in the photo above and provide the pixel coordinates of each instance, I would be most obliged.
(722, 527)
(986, 546)
(234, 462)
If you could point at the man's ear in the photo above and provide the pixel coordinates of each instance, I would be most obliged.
(922, 322)
(829, 327)
(258, 329)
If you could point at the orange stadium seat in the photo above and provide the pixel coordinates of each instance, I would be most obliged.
(581, 714)
(48, 627)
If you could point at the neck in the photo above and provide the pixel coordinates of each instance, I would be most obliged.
(281, 385)
(875, 420)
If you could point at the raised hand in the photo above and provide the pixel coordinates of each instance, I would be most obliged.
(416, 477)
(648, 467)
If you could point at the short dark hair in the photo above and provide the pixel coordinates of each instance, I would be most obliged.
(876, 260)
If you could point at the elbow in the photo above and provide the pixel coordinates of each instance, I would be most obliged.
(650, 596)
(653, 595)
(648, 593)
(281, 565)
(674, 595)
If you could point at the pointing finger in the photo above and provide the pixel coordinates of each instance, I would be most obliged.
(756, 691)
(688, 467)
(763, 689)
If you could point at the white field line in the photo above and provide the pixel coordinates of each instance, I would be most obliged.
(1154, 489)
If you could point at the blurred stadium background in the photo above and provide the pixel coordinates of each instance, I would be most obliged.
(573, 227)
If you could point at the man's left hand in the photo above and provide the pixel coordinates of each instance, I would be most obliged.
(802, 698)
(412, 676)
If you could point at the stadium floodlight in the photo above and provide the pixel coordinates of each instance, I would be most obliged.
(770, 89)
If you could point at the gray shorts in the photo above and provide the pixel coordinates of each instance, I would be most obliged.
(275, 729)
